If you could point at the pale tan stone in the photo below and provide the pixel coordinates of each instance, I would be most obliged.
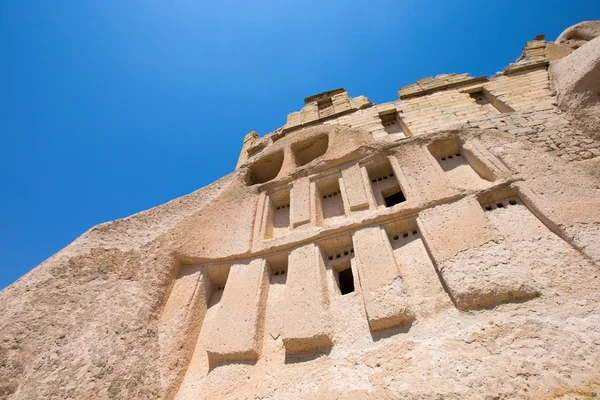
(386, 302)
(446, 235)
(231, 292)
(301, 202)
(237, 335)
(306, 314)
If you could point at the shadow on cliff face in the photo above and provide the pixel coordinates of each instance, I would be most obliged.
(378, 335)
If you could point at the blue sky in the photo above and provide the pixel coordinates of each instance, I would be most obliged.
(111, 107)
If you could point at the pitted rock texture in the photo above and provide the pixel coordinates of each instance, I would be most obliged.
(471, 237)
(579, 34)
(576, 79)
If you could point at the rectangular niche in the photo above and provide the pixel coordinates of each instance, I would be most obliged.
(405, 240)
(461, 167)
(325, 107)
(277, 269)
(384, 183)
(278, 214)
(277, 266)
(511, 217)
(310, 149)
(393, 124)
(488, 102)
(338, 254)
(330, 205)
(265, 169)
(217, 278)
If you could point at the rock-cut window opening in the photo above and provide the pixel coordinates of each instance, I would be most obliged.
(278, 266)
(278, 214)
(461, 167)
(329, 200)
(325, 107)
(266, 168)
(384, 183)
(396, 197)
(217, 275)
(310, 149)
(344, 276)
(393, 124)
(489, 102)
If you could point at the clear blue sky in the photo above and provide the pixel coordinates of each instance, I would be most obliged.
(111, 107)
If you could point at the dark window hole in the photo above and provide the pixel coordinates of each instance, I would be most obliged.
(346, 281)
(489, 208)
(394, 199)
(512, 202)
(499, 205)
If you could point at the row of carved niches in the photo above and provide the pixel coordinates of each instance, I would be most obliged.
(474, 253)
(331, 197)
(268, 167)
(372, 184)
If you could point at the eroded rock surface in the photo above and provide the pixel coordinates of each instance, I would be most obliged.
(444, 245)
(579, 34)
(577, 82)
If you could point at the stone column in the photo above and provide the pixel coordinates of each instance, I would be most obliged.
(182, 318)
(306, 314)
(300, 202)
(386, 302)
(355, 187)
(238, 327)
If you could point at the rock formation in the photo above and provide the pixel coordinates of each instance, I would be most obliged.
(576, 78)
(444, 245)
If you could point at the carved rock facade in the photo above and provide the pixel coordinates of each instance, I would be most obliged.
(444, 245)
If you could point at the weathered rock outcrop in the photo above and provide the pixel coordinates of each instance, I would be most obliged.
(444, 245)
(579, 34)
(576, 79)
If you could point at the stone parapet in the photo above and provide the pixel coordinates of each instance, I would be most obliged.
(440, 82)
